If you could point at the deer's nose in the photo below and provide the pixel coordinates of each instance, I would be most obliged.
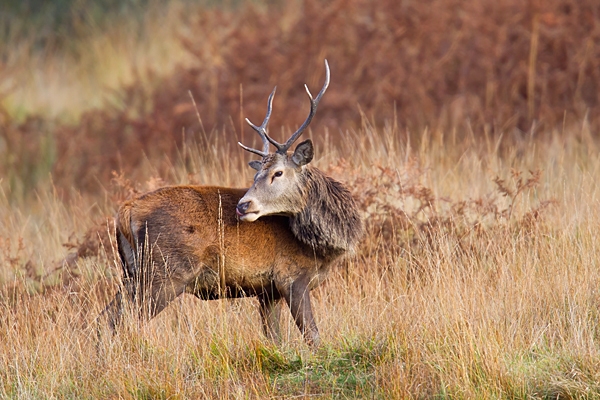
(242, 208)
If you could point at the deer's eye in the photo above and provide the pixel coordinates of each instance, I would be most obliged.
(276, 175)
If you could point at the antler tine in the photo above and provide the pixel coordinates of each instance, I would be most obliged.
(313, 109)
(262, 129)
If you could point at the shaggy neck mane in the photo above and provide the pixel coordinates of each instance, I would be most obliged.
(329, 223)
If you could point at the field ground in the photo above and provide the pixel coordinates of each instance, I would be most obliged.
(477, 277)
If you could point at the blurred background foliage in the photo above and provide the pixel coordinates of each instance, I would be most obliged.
(91, 87)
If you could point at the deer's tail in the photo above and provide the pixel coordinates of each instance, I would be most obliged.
(126, 241)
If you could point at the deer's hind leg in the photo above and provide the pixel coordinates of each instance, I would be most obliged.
(113, 313)
(156, 293)
(148, 285)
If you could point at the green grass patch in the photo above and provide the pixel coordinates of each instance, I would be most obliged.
(345, 369)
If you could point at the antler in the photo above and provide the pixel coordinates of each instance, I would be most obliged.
(283, 148)
(262, 130)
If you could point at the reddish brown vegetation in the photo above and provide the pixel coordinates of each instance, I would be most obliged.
(498, 66)
(403, 216)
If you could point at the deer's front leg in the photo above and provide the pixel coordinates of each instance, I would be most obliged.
(269, 313)
(297, 296)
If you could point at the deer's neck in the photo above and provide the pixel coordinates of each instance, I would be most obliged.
(329, 223)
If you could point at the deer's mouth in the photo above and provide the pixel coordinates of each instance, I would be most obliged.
(240, 213)
(244, 214)
(247, 217)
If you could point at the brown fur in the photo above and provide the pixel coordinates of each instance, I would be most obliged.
(188, 239)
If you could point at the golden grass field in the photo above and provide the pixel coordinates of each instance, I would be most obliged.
(477, 277)
(472, 305)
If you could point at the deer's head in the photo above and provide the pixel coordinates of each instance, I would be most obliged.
(279, 184)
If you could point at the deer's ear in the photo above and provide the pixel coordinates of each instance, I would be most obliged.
(255, 164)
(303, 154)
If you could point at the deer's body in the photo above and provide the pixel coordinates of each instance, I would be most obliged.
(275, 240)
(203, 243)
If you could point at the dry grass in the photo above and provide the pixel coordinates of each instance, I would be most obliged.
(461, 288)
(477, 277)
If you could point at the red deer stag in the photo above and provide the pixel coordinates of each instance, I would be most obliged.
(275, 240)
